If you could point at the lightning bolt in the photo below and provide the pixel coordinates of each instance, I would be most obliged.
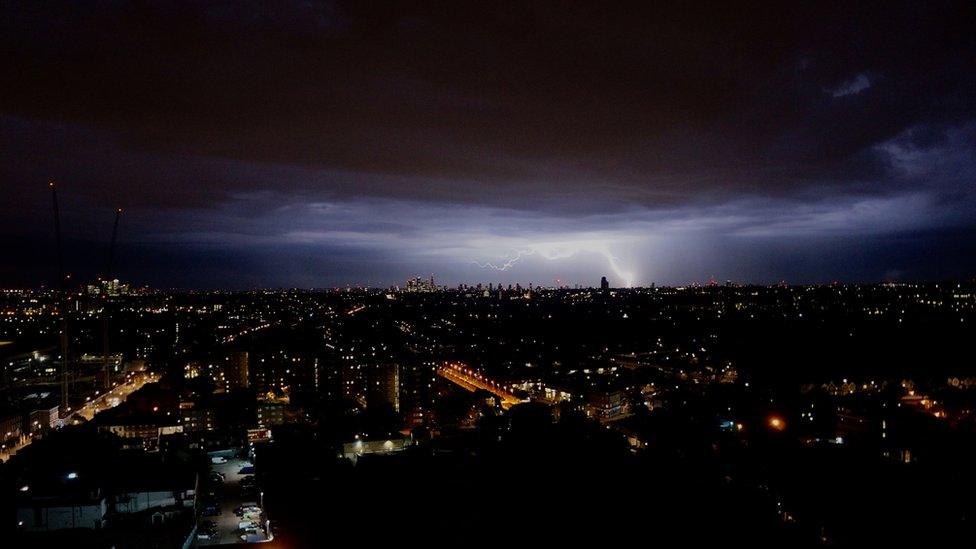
(507, 264)
(562, 251)
(614, 262)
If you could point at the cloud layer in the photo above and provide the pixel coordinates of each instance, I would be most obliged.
(309, 144)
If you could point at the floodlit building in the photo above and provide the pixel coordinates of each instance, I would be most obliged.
(604, 405)
(43, 418)
(140, 430)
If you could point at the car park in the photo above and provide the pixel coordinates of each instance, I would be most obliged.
(237, 494)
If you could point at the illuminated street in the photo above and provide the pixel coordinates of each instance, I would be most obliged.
(116, 396)
(470, 380)
(103, 402)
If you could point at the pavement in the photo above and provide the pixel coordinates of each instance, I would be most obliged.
(230, 499)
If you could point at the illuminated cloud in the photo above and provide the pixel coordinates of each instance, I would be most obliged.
(374, 146)
(856, 85)
(565, 250)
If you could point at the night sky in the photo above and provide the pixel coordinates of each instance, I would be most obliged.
(280, 144)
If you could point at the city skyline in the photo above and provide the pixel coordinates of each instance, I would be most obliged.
(781, 416)
(319, 145)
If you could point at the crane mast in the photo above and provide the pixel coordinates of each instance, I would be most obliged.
(62, 301)
(106, 313)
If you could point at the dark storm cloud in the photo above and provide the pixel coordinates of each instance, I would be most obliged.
(450, 136)
(712, 97)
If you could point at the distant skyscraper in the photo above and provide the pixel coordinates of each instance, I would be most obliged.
(421, 285)
(604, 284)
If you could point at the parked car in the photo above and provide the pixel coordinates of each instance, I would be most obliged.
(245, 524)
(247, 507)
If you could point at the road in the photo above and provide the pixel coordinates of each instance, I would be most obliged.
(116, 396)
(470, 380)
(103, 402)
